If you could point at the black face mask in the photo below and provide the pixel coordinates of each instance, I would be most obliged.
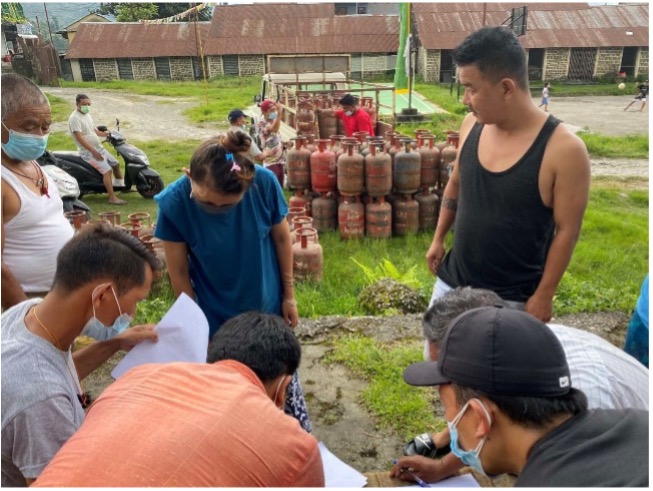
(212, 209)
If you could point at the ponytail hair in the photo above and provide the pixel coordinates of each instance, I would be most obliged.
(217, 163)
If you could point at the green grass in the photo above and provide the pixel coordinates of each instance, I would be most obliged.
(394, 403)
(605, 273)
(626, 147)
(61, 108)
(560, 89)
(611, 258)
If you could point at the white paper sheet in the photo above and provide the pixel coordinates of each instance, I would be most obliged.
(337, 474)
(464, 481)
(183, 336)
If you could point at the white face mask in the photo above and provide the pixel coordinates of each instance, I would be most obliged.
(349, 113)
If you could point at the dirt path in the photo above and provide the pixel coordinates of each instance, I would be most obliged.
(334, 395)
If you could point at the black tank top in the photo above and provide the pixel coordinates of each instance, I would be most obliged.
(503, 230)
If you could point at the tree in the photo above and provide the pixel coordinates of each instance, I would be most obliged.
(133, 12)
(164, 10)
(13, 12)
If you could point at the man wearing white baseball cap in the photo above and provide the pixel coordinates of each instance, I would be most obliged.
(505, 385)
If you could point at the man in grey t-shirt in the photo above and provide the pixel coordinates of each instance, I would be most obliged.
(101, 274)
(237, 121)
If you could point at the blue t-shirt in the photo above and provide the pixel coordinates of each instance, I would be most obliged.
(232, 258)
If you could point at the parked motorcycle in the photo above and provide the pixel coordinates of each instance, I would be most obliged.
(66, 184)
(137, 168)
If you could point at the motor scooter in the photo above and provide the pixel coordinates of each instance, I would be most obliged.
(137, 168)
(66, 184)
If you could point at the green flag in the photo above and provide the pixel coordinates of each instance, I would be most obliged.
(401, 78)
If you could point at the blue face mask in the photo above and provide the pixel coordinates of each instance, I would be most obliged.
(24, 146)
(272, 116)
(98, 331)
(472, 458)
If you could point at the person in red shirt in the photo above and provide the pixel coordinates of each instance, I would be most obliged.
(355, 119)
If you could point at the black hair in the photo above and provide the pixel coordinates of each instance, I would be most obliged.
(19, 91)
(453, 303)
(212, 163)
(529, 412)
(497, 53)
(103, 252)
(348, 100)
(263, 342)
(81, 97)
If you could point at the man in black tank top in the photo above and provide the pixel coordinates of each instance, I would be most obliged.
(519, 187)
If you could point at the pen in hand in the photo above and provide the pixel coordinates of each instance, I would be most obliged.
(419, 481)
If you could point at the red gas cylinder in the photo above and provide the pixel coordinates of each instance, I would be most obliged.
(429, 210)
(325, 213)
(307, 257)
(326, 118)
(295, 212)
(335, 145)
(361, 136)
(378, 171)
(367, 105)
(299, 200)
(143, 219)
(351, 219)
(378, 219)
(306, 117)
(449, 154)
(396, 145)
(299, 223)
(430, 171)
(113, 217)
(76, 218)
(298, 163)
(388, 139)
(134, 229)
(351, 171)
(406, 169)
(310, 144)
(405, 216)
(323, 168)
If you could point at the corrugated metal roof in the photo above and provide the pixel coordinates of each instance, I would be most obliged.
(135, 40)
(244, 29)
(551, 25)
(298, 28)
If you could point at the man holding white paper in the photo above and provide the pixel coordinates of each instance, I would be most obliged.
(216, 424)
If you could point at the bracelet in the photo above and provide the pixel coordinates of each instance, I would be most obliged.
(290, 301)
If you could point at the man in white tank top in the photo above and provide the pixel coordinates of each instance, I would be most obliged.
(34, 228)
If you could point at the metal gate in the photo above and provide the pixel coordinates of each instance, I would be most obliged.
(125, 71)
(230, 65)
(86, 67)
(162, 67)
(581, 64)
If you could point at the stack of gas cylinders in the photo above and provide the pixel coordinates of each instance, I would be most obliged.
(139, 225)
(372, 186)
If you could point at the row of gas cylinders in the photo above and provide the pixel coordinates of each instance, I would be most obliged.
(371, 165)
(316, 115)
(356, 217)
(139, 225)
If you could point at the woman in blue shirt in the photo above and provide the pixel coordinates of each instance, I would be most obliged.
(227, 242)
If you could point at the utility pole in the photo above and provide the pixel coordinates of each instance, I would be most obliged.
(484, 12)
(47, 19)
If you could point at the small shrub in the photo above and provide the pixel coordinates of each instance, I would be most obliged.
(388, 296)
